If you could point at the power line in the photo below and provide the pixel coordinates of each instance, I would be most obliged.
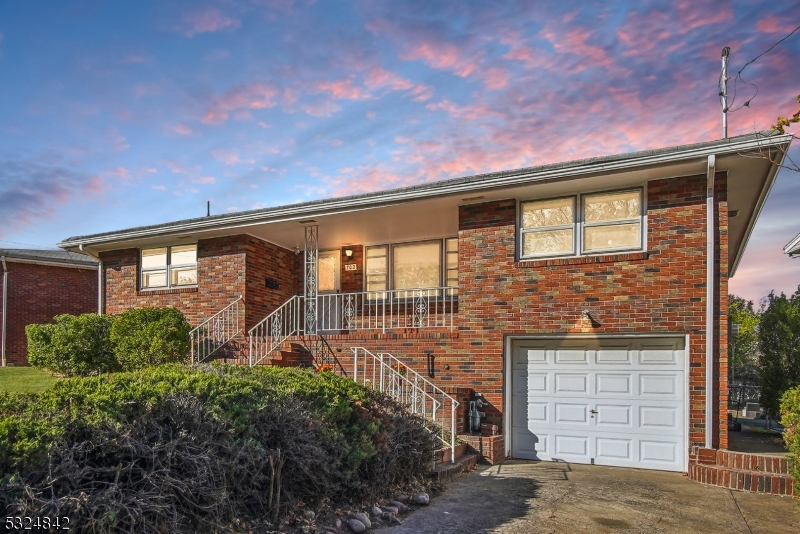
(739, 74)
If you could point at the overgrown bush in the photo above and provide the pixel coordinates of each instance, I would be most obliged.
(178, 449)
(790, 419)
(75, 345)
(150, 336)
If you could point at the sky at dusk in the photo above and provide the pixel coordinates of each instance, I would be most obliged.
(120, 114)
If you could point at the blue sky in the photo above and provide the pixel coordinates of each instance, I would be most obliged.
(118, 114)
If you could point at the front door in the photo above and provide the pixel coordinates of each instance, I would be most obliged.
(328, 286)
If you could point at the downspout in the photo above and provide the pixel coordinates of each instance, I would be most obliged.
(5, 302)
(710, 266)
(99, 278)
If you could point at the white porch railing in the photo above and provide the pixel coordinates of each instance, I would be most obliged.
(385, 373)
(210, 335)
(267, 336)
(433, 307)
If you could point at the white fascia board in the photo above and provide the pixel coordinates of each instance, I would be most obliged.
(450, 187)
(793, 247)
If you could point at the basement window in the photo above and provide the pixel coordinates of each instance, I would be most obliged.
(167, 267)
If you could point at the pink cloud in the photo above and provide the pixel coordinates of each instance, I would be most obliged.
(495, 78)
(182, 129)
(772, 24)
(342, 89)
(208, 21)
(147, 89)
(378, 77)
(321, 109)
(228, 157)
(244, 98)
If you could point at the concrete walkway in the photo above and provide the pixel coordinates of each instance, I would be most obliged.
(519, 497)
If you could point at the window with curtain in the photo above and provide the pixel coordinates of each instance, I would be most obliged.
(424, 264)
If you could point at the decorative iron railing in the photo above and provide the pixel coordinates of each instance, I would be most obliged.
(386, 310)
(385, 373)
(275, 328)
(213, 333)
(323, 354)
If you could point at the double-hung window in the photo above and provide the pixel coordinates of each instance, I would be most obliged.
(581, 224)
(167, 267)
(420, 265)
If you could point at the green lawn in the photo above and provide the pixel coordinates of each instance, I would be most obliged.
(24, 380)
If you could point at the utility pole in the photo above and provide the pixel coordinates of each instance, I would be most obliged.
(723, 91)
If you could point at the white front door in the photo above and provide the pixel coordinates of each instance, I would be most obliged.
(328, 286)
(616, 402)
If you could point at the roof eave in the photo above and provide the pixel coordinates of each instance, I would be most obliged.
(448, 187)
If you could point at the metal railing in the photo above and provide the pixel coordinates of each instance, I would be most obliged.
(323, 354)
(275, 328)
(383, 372)
(433, 307)
(213, 333)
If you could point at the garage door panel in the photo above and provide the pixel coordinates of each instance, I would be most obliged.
(571, 383)
(614, 355)
(574, 355)
(660, 385)
(613, 384)
(571, 414)
(613, 415)
(615, 449)
(524, 355)
(570, 446)
(659, 417)
(636, 388)
(658, 451)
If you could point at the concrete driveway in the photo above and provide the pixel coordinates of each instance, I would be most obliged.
(522, 497)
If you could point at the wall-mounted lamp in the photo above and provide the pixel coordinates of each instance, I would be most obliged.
(348, 253)
(585, 314)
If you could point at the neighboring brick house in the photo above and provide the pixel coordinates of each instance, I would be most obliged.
(574, 298)
(36, 286)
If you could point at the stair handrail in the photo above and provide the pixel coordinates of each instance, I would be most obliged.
(328, 356)
(269, 333)
(405, 388)
(224, 327)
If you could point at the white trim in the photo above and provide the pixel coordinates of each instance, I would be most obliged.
(51, 263)
(687, 409)
(710, 266)
(466, 185)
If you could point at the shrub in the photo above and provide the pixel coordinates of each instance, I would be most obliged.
(73, 345)
(790, 419)
(194, 449)
(150, 336)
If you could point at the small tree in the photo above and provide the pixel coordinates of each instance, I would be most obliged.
(743, 349)
(75, 345)
(150, 336)
(779, 343)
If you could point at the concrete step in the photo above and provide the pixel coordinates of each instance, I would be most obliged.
(762, 463)
(446, 471)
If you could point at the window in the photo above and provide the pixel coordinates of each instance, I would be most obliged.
(418, 265)
(166, 267)
(608, 221)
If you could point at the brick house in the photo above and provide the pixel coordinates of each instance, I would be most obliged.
(36, 286)
(575, 299)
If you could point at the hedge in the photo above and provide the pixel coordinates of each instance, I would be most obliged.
(790, 419)
(102, 449)
(91, 344)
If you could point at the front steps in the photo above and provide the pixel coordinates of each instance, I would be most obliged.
(756, 473)
(297, 355)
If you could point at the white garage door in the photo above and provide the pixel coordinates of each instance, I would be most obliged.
(613, 402)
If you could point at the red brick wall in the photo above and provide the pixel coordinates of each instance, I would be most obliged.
(227, 267)
(266, 260)
(660, 290)
(37, 293)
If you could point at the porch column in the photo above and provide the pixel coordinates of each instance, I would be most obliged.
(310, 286)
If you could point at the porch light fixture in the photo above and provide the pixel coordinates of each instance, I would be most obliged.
(348, 253)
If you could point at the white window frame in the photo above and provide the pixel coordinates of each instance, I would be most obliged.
(443, 270)
(168, 269)
(573, 227)
(579, 224)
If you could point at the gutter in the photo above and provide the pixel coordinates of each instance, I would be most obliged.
(710, 266)
(5, 303)
(99, 278)
(422, 192)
